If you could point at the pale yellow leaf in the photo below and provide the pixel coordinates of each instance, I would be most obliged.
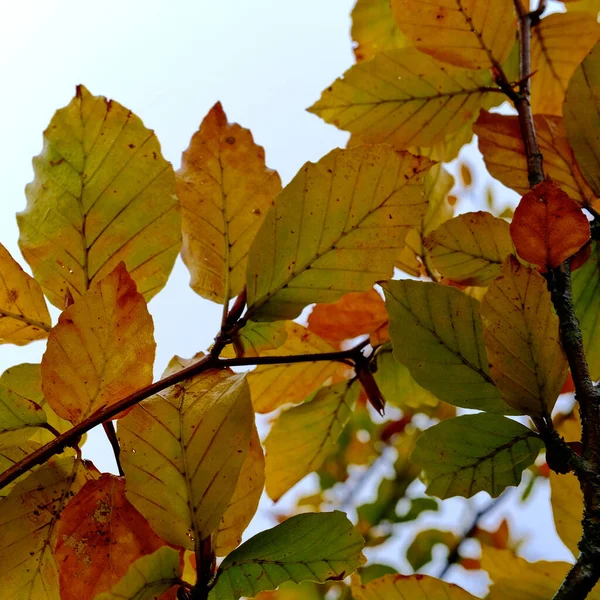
(567, 507)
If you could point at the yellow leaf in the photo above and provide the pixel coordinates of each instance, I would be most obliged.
(403, 587)
(182, 451)
(337, 227)
(501, 144)
(470, 248)
(405, 98)
(522, 340)
(12, 455)
(558, 44)
(225, 191)
(374, 29)
(303, 436)
(474, 34)
(101, 350)
(244, 501)
(28, 528)
(24, 316)
(272, 386)
(567, 507)
(102, 194)
(592, 6)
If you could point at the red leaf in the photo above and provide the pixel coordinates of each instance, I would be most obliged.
(548, 227)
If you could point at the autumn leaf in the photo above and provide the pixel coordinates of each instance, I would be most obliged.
(420, 551)
(548, 227)
(337, 227)
(466, 33)
(256, 338)
(405, 98)
(101, 350)
(470, 248)
(473, 453)
(225, 190)
(567, 509)
(302, 437)
(272, 386)
(502, 147)
(11, 455)
(558, 44)
(522, 340)
(415, 587)
(102, 194)
(182, 451)
(100, 534)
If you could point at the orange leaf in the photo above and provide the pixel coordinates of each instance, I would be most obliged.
(548, 227)
(100, 535)
(352, 315)
(568, 385)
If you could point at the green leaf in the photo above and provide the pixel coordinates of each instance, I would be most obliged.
(182, 451)
(309, 547)
(148, 577)
(337, 227)
(581, 113)
(254, 338)
(405, 98)
(471, 453)
(436, 332)
(419, 553)
(303, 436)
(102, 194)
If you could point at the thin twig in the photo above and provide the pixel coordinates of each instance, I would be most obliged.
(111, 434)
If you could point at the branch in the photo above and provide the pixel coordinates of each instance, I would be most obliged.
(580, 580)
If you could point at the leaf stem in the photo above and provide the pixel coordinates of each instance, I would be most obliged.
(111, 434)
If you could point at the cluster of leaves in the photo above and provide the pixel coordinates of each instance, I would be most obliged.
(474, 326)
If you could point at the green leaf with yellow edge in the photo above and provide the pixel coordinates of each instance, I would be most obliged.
(148, 577)
(245, 499)
(586, 297)
(303, 436)
(309, 547)
(272, 386)
(307, 590)
(24, 316)
(522, 339)
(102, 194)
(405, 98)
(466, 33)
(337, 227)
(225, 191)
(581, 113)
(101, 350)
(501, 144)
(470, 248)
(182, 451)
(403, 587)
(374, 29)
(436, 333)
(254, 338)
(28, 528)
(473, 453)
(559, 42)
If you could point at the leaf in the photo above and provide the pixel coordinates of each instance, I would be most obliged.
(581, 113)
(101, 350)
(272, 386)
(28, 528)
(558, 44)
(100, 534)
(502, 147)
(354, 314)
(11, 455)
(102, 194)
(522, 340)
(548, 227)
(567, 508)
(24, 316)
(309, 547)
(471, 453)
(182, 451)
(470, 248)
(436, 332)
(415, 587)
(374, 29)
(466, 33)
(302, 437)
(586, 297)
(148, 577)
(225, 190)
(419, 553)
(253, 339)
(405, 98)
(337, 227)
(245, 499)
